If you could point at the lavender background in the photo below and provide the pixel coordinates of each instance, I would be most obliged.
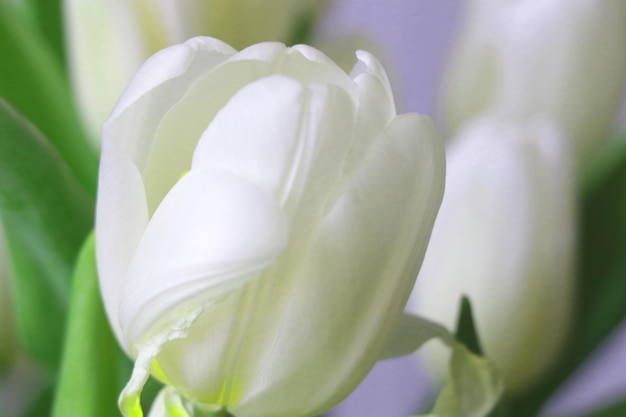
(412, 38)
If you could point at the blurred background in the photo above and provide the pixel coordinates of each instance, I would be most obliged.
(413, 39)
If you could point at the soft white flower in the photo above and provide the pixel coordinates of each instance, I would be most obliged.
(108, 40)
(261, 219)
(559, 59)
(504, 236)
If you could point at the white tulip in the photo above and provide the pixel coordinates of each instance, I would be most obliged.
(504, 237)
(108, 40)
(261, 219)
(558, 59)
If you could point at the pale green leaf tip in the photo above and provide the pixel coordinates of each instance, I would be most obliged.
(473, 387)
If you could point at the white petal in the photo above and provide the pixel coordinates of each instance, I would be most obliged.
(361, 267)
(121, 218)
(258, 134)
(171, 63)
(160, 82)
(282, 136)
(180, 128)
(202, 242)
(369, 64)
(304, 63)
(376, 108)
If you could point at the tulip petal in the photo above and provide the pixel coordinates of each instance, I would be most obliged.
(290, 140)
(362, 264)
(121, 218)
(178, 131)
(202, 242)
(161, 81)
(258, 134)
(169, 403)
(369, 64)
(277, 134)
(302, 62)
(376, 108)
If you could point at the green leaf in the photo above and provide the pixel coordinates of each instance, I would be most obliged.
(304, 23)
(473, 386)
(88, 383)
(614, 410)
(47, 16)
(466, 329)
(601, 302)
(94, 369)
(46, 215)
(41, 406)
(33, 81)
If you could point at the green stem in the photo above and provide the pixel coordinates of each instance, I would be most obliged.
(88, 381)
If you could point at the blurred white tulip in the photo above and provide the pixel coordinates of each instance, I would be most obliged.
(558, 59)
(504, 237)
(108, 40)
(261, 219)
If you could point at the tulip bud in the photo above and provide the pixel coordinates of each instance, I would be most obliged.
(109, 39)
(261, 219)
(558, 59)
(504, 237)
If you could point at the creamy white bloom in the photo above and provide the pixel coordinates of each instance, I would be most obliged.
(108, 40)
(261, 219)
(559, 59)
(504, 236)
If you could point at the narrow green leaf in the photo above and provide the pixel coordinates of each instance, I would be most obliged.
(466, 329)
(473, 386)
(304, 26)
(46, 215)
(88, 383)
(94, 369)
(47, 16)
(614, 410)
(32, 80)
(41, 406)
